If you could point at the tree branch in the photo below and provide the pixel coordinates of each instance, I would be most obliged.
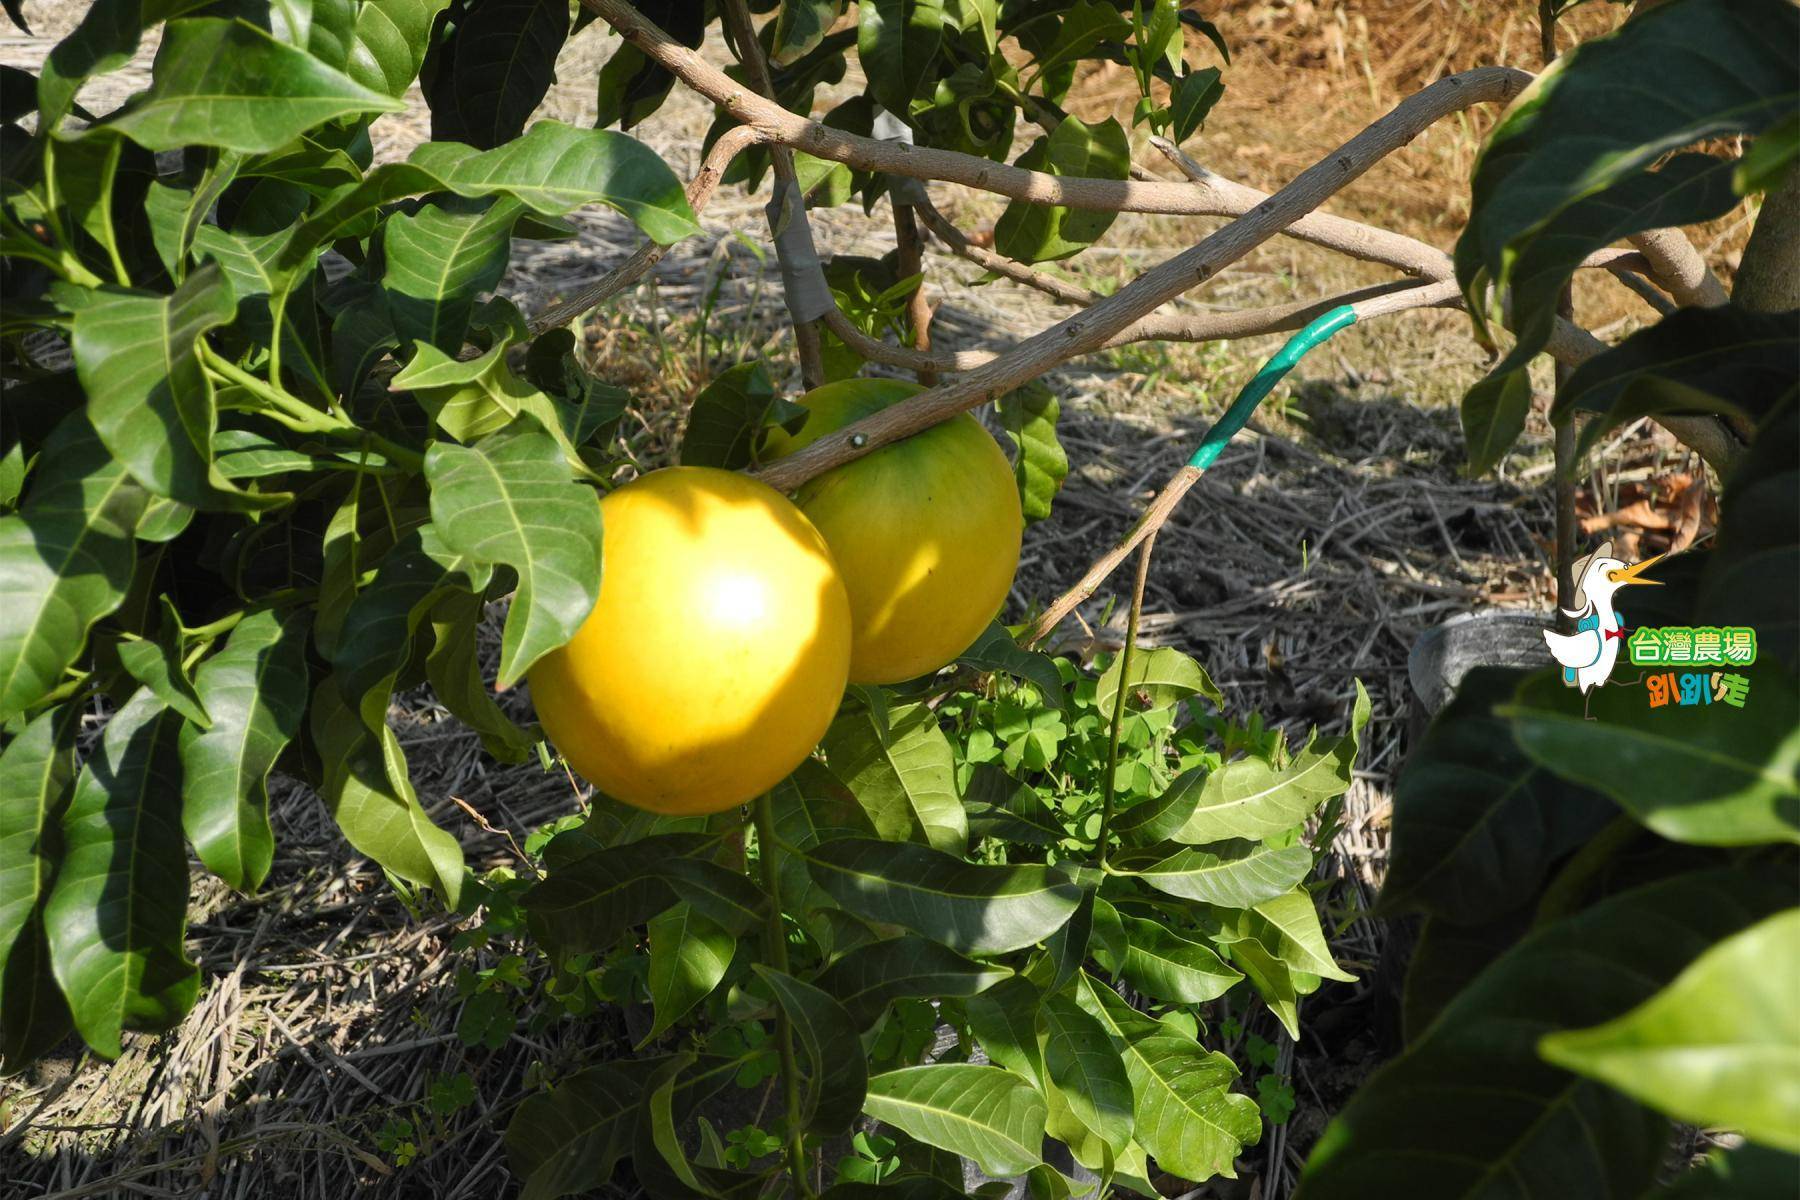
(919, 162)
(749, 50)
(700, 191)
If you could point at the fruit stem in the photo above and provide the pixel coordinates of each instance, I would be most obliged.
(1110, 787)
(775, 950)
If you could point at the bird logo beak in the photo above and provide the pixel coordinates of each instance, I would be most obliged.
(1631, 574)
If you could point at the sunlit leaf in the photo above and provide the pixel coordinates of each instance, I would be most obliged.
(982, 1113)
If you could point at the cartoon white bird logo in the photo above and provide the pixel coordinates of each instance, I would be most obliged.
(1587, 655)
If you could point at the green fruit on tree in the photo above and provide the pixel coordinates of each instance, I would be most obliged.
(925, 531)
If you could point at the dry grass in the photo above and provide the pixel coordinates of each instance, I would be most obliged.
(1333, 532)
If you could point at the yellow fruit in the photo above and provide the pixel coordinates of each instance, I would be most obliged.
(716, 654)
(925, 531)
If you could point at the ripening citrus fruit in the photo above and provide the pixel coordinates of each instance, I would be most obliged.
(925, 531)
(716, 654)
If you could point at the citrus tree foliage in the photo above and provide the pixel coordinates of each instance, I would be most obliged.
(1608, 905)
(940, 869)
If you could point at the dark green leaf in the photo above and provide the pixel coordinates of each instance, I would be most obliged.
(502, 63)
(999, 806)
(688, 958)
(229, 84)
(509, 501)
(1190, 99)
(970, 908)
(454, 669)
(382, 819)
(996, 650)
(34, 1017)
(1476, 823)
(1758, 542)
(1042, 232)
(1004, 1020)
(1473, 1088)
(256, 690)
(587, 901)
(156, 663)
(899, 766)
(1446, 958)
(569, 1138)
(37, 775)
(148, 395)
(66, 560)
(728, 418)
(896, 42)
(118, 908)
(1029, 415)
(800, 26)
(1713, 775)
(1723, 360)
(439, 260)
(1085, 26)
(868, 978)
(837, 1071)
(1493, 416)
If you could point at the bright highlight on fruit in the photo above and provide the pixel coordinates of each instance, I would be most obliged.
(925, 531)
(716, 655)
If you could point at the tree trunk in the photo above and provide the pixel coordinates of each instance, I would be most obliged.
(1768, 280)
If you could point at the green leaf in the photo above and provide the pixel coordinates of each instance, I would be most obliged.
(801, 25)
(1723, 360)
(554, 169)
(1029, 415)
(1249, 798)
(37, 776)
(389, 45)
(972, 909)
(1720, 1045)
(999, 806)
(1187, 1116)
(66, 560)
(568, 1139)
(901, 769)
(1712, 775)
(996, 650)
(439, 260)
(1231, 874)
(688, 958)
(1493, 1109)
(229, 84)
(896, 43)
(148, 396)
(1746, 1173)
(865, 980)
(1191, 98)
(454, 669)
(592, 896)
(1160, 678)
(118, 908)
(34, 1018)
(377, 816)
(728, 417)
(1769, 157)
(502, 62)
(1568, 139)
(1275, 981)
(1083, 1065)
(982, 1113)
(837, 1071)
(1162, 964)
(256, 689)
(1004, 1020)
(1759, 540)
(156, 663)
(1289, 927)
(1493, 417)
(725, 895)
(1042, 232)
(1447, 958)
(508, 501)
(1477, 823)
(1087, 25)
(1159, 819)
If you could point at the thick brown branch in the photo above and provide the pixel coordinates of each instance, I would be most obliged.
(1092, 328)
(920, 162)
(700, 191)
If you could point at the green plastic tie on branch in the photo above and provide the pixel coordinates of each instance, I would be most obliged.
(1279, 364)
